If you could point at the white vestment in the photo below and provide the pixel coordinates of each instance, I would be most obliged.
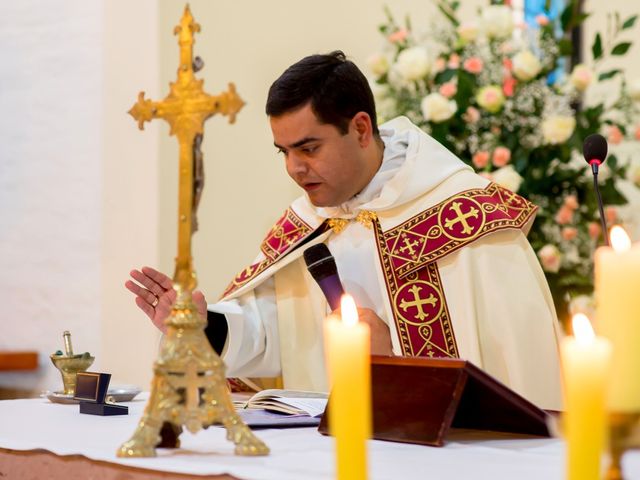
(499, 304)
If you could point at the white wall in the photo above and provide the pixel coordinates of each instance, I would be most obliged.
(131, 189)
(78, 182)
(50, 179)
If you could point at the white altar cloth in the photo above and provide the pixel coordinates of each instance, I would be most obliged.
(298, 453)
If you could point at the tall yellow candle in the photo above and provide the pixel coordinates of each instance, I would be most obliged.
(348, 354)
(617, 282)
(585, 363)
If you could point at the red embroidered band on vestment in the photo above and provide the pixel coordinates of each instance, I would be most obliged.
(409, 253)
(283, 236)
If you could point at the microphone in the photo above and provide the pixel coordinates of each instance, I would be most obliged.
(594, 150)
(323, 269)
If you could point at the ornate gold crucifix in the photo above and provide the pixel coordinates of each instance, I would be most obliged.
(189, 386)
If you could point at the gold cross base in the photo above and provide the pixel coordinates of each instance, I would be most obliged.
(189, 389)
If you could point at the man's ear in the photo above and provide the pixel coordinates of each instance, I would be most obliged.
(361, 123)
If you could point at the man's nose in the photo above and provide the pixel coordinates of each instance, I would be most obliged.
(296, 165)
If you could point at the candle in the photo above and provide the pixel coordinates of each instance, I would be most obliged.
(348, 355)
(617, 282)
(585, 363)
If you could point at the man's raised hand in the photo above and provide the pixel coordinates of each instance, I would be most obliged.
(155, 295)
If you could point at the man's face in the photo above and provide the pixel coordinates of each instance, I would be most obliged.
(329, 166)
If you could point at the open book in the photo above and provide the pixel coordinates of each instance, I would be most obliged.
(290, 402)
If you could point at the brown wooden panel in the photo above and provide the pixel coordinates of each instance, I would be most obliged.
(18, 361)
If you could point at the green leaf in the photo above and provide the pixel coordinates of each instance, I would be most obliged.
(628, 23)
(445, 76)
(566, 17)
(448, 13)
(565, 46)
(596, 48)
(621, 48)
(581, 18)
(609, 74)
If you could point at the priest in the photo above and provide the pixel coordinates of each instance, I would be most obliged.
(435, 256)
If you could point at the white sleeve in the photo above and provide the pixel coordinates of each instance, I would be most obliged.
(252, 348)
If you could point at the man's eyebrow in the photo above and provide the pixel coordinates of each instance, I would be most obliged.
(299, 143)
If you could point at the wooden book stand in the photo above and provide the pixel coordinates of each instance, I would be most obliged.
(417, 400)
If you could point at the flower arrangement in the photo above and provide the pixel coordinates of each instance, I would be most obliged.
(493, 93)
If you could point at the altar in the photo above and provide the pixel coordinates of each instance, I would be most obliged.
(29, 427)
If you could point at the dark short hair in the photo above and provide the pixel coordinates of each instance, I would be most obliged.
(335, 87)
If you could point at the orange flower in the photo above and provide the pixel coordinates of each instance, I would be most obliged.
(473, 65)
(448, 89)
(611, 215)
(480, 159)
(571, 202)
(569, 233)
(508, 86)
(501, 156)
(398, 36)
(594, 230)
(615, 135)
(564, 215)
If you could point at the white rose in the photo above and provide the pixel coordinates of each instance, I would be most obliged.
(490, 98)
(378, 64)
(550, 258)
(604, 172)
(633, 174)
(508, 178)
(468, 31)
(386, 109)
(438, 108)
(526, 65)
(497, 21)
(634, 89)
(413, 64)
(557, 128)
(379, 91)
(581, 77)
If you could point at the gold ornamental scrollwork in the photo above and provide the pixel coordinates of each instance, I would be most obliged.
(189, 387)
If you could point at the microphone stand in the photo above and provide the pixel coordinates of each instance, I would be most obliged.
(594, 169)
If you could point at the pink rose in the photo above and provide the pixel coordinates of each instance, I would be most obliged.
(571, 201)
(398, 36)
(615, 135)
(569, 233)
(480, 159)
(564, 215)
(542, 20)
(472, 115)
(439, 64)
(550, 258)
(501, 156)
(454, 61)
(508, 86)
(594, 230)
(473, 65)
(507, 63)
(637, 133)
(448, 89)
(611, 215)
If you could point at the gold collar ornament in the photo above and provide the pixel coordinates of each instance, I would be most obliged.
(365, 217)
